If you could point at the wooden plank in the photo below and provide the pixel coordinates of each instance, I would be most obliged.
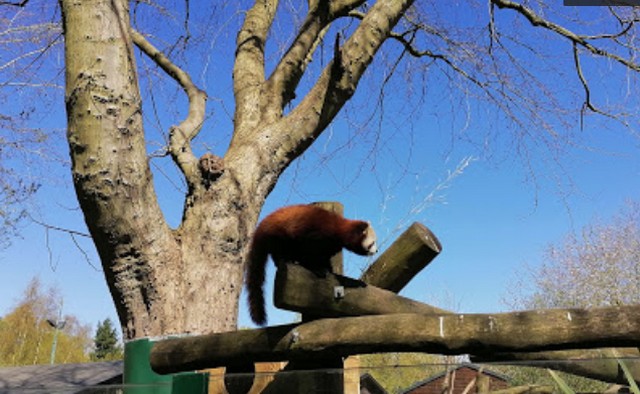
(300, 290)
(409, 254)
(442, 334)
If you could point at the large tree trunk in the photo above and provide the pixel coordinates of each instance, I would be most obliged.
(162, 280)
(188, 280)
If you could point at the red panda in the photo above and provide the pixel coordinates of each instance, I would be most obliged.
(305, 234)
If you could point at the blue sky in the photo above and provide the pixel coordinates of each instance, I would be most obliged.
(496, 216)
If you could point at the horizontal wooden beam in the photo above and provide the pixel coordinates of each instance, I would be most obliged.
(412, 251)
(531, 389)
(442, 334)
(601, 364)
(298, 289)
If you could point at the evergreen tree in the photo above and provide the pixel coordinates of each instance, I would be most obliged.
(106, 342)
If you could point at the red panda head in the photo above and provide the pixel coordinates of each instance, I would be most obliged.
(363, 239)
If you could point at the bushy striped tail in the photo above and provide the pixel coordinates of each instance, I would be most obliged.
(254, 278)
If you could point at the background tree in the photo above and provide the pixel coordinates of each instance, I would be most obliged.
(22, 135)
(106, 343)
(397, 371)
(15, 189)
(288, 86)
(26, 338)
(599, 266)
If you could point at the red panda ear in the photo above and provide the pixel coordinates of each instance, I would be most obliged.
(362, 227)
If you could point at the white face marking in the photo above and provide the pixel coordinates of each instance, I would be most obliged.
(369, 241)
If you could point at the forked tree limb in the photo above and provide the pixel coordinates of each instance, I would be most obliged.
(328, 95)
(181, 135)
(287, 74)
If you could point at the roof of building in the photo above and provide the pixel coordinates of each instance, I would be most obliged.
(443, 373)
(60, 376)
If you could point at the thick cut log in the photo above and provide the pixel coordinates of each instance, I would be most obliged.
(409, 254)
(443, 334)
(601, 364)
(300, 290)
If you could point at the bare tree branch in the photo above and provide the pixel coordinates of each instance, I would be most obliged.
(408, 44)
(579, 40)
(180, 136)
(339, 80)
(248, 69)
(587, 91)
(291, 67)
(17, 4)
(56, 228)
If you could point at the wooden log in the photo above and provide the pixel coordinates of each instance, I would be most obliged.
(300, 290)
(443, 334)
(409, 254)
(600, 364)
(530, 389)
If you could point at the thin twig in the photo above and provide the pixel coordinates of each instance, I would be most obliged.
(64, 230)
(18, 4)
(84, 253)
(587, 92)
(415, 52)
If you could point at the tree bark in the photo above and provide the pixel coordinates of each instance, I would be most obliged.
(162, 280)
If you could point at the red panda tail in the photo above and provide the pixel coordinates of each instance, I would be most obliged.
(255, 273)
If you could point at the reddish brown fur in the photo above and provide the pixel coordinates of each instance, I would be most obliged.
(305, 234)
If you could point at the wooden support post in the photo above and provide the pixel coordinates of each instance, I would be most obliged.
(312, 371)
(337, 261)
(409, 254)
